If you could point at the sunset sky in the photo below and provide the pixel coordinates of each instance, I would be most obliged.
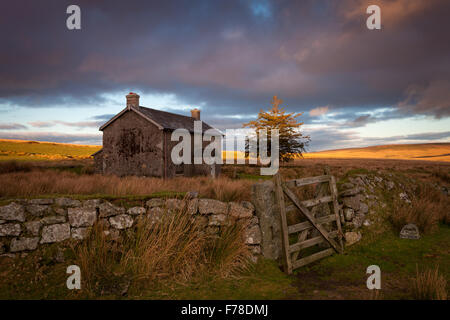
(356, 87)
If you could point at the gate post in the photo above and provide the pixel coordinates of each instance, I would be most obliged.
(267, 211)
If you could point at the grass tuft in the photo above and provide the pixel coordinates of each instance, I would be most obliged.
(174, 250)
(427, 209)
(429, 284)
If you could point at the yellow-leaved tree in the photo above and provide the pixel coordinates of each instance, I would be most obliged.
(292, 142)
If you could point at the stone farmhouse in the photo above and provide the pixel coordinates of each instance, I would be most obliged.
(137, 141)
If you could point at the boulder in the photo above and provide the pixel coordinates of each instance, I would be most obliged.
(363, 208)
(55, 233)
(352, 238)
(358, 220)
(10, 229)
(53, 219)
(82, 217)
(21, 244)
(67, 202)
(350, 192)
(12, 211)
(112, 234)
(358, 181)
(410, 231)
(37, 210)
(41, 201)
(253, 221)
(349, 214)
(174, 205)
(107, 209)
(135, 211)
(192, 207)
(239, 211)
(33, 227)
(252, 235)
(92, 203)
(79, 233)
(155, 202)
(155, 214)
(210, 206)
(347, 185)
(248, 205)
(217, 219)
(353, 202)
(122, 221)
(60, 211)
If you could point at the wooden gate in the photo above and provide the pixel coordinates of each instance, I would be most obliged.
(301, 244)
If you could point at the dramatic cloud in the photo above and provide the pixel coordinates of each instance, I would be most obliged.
(228, 56)
(433, 99)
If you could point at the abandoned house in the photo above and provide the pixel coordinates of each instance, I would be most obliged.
(137, 141)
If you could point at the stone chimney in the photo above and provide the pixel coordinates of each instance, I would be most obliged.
(133, 100)
(195, 113)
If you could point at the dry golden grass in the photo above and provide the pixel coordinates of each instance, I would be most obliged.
(52, 182)
(426, 151)
(430, 285)
(175, 250)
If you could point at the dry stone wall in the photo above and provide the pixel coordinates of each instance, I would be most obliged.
(27, 224)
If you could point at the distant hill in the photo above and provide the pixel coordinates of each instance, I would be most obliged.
(34, 150)
(422, 151)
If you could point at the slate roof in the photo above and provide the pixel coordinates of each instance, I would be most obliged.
(164, 120)
(171, 121)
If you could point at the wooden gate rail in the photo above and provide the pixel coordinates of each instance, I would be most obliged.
(291, 252)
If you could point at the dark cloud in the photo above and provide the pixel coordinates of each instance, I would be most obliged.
(230, 56)
(12, 126)
(103, 117)
(433, 99)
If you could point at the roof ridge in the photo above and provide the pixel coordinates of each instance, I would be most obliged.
(176, 114)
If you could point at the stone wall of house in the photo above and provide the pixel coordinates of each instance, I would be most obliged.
(27, 224)
(132, 146)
